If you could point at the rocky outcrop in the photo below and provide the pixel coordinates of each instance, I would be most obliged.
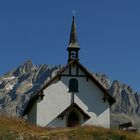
(104, 80)
(126, 101)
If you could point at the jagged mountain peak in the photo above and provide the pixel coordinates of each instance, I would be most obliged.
(28, 63)
(26, 67)
(118, 87)
(104, 80)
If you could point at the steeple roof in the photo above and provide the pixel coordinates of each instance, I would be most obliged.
(73, 42)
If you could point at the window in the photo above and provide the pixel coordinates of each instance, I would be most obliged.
(73, 85)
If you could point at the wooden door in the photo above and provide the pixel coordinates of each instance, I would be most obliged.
(73, 119)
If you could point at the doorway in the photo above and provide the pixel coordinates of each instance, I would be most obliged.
(73, 119)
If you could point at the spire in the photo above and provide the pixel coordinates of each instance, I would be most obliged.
(73, 42)
(73, 48)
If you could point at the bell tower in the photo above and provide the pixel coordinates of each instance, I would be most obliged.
(73, 48)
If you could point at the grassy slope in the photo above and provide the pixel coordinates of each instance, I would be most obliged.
(17, 129)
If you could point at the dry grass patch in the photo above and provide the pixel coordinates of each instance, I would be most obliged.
(13, 128)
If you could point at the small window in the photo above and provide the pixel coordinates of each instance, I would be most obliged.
(73, 85)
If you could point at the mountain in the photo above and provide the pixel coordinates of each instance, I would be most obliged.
(18, 85)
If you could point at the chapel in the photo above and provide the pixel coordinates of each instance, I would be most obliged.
(73, 97)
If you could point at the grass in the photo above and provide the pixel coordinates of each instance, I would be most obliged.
(17, 129)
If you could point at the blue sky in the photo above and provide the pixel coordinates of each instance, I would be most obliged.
(108, 34)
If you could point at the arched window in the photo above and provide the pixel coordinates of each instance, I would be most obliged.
(73, 85)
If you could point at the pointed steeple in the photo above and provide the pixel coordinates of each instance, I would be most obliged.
(73, 42)
(73, 48)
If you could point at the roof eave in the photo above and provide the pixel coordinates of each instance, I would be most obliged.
(74, 105)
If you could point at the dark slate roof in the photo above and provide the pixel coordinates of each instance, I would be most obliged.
(107, 95)
(73, 42)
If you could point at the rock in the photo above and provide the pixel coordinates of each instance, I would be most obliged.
(125, 98)
(3, 84)
(27, 67)
(103, 79)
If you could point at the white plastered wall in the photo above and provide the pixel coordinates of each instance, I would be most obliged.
(57, 99)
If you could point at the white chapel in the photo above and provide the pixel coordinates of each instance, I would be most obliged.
(73, 97)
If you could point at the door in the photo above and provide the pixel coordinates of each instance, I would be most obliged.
(73, 119)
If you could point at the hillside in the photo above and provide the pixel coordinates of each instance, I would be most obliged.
(17, 129)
